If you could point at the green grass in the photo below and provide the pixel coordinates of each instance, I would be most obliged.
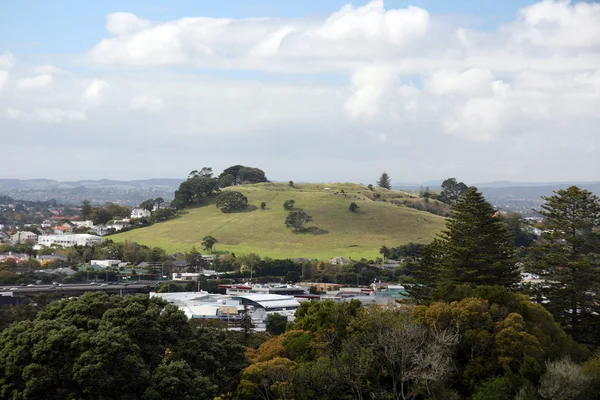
(259, 231)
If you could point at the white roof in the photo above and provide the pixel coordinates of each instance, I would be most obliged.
(280, 304)
(259, 297)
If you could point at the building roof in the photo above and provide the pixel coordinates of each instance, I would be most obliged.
(269, 300)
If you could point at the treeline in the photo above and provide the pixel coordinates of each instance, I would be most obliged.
(201, 184)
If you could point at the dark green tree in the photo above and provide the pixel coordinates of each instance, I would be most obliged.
(452, 190)
(385, 252)
(276, 323)
(226, 180)
(86, 210)
(231, 201)
(297, 218)
(251, 175)
(208, 243)
(263, 205)
(112, 347)
(568, 259)
(289, 204)
(291, 183)
(194, 259)
(384, 181)
(353, 207)
(475, 249)
(234, 171)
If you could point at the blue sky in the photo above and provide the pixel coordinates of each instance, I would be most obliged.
(311, 91)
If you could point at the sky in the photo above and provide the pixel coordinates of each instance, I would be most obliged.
(315, 91)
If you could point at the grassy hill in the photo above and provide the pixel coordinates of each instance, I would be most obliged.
(334, 230)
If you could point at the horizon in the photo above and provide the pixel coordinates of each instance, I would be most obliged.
(127, 89)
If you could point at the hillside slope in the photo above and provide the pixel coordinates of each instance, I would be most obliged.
(337, 231)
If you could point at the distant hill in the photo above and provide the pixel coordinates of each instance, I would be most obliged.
(336, 231)
(98, 191)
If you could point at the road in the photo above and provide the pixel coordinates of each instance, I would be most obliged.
(78, 287)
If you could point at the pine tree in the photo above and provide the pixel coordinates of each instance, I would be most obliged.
(476, 249)
(568, 260)
(384, 181)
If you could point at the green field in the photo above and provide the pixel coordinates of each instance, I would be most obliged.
(336, 231)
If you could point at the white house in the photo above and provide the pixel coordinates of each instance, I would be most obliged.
(83, 239)
(119, 224)
(106, 263)
(83, 224)
(140, 213)
(24, 237)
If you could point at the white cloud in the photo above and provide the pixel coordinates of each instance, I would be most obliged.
(373, 22)
(560, 23)
(35, 82)
(95, 92)
(13, 113)
(370, 87)
(46, 115)
(445, 98)
(472, 82)
(3, 79)
(7, 60)
(145, 103)
(57, 115)
(47, 69)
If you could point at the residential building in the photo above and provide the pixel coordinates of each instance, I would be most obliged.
(24, 237)
(119, 224)
(84, 224)
(140, 213)
(339, 260)
(83, 239)
(106, 263)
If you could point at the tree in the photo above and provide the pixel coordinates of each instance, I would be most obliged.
(112, 347)
(370, 186)
(118, 211)
(296, 219)
(233, 171)
(452, 190)
(291, 183)
(385, 252)
(567, 258)
(226, 180)
(147, 204)
(353, 207)
(86, 210)
(251, 175)
(263, 205)
(208, 242)
(194, 259)
(475, 249)
(199, 185)
(384, 181)
(159, 201)
(231, 201)
(100, 215)
(163, 214)
(276, 323)
(289, 204)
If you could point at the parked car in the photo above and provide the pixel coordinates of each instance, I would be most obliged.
(93, 283)
(31, 285)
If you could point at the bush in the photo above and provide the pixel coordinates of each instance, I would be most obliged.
(353, 207)
(289, 204)
(230, 201)
(263, 205)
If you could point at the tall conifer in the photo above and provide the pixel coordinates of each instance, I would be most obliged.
(568, 260)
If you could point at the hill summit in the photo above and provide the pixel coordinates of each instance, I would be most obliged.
(334, 231)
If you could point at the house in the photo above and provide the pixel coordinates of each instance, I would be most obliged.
(180, 264)
(18, 257)
(339, 260)
(138, 213)
(24, 237)
(83, 224)
(119, 224)
(99, 230)
(83, 239)
(106, 263)
(50, 257)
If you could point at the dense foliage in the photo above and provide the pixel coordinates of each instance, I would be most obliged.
(110, 347)
(231, 201)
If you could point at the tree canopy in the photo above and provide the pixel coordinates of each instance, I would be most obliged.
(101, 347)
(231, 201)
(297, 218)
(568, 259)
(384, 181)
(452, 190)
